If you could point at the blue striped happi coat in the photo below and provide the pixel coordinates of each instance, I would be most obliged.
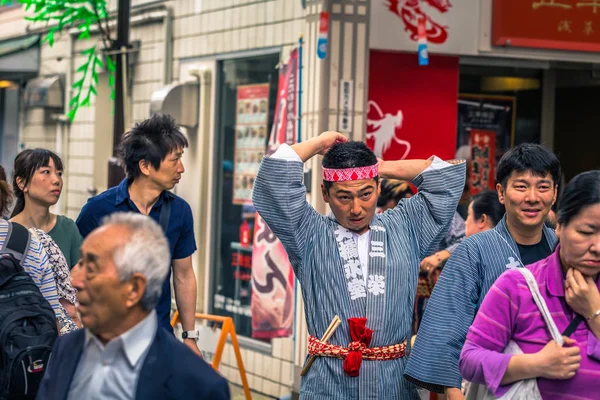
(412, 230)
(467, 276)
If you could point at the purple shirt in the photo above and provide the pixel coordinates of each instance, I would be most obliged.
(509, 312)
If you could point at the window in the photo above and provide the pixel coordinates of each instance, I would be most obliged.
(247, 93)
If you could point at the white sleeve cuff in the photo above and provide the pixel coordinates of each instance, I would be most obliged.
(285, 152)
(437, 163)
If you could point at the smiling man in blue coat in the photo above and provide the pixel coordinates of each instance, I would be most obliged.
(123, 353)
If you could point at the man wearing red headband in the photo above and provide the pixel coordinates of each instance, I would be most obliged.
(357, 264)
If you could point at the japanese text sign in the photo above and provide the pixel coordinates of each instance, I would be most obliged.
(481, 170)
(550, 24)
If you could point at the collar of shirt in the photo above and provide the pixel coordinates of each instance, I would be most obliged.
(134, 343)
(123, 194)
(555, 282)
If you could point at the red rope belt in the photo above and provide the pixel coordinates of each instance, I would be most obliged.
(357, 350)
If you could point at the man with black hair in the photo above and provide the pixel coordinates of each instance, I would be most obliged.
(151, 153)
(354, 263)
(527, 178)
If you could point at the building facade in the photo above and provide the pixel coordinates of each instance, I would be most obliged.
(488, 77)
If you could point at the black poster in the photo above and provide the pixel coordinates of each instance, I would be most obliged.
(487, 112)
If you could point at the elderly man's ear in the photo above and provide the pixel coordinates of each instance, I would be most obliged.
(136, 289)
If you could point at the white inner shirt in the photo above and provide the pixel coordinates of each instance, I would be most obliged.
(362, 245)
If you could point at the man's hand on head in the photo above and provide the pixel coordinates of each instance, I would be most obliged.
(328, 139)
(318, 145)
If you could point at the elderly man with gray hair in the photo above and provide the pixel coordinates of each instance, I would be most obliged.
(123, 353)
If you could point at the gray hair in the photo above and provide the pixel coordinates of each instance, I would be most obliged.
(146, 251)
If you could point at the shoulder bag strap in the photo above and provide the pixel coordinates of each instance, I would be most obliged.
(165, 213)
(17, 241)
(541, 303)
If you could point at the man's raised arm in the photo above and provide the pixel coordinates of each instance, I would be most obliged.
(280, 197)
(440, 185)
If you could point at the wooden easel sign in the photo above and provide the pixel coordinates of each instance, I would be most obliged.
(227, 329)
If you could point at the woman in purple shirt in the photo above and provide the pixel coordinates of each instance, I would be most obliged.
(568, 282)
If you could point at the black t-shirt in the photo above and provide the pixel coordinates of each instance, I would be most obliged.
(531, 253)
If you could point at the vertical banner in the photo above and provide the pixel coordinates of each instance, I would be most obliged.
(346, 112)
(272, 276)
(250, 133)
(482, 167)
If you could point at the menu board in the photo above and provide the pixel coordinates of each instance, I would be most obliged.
(250, 138)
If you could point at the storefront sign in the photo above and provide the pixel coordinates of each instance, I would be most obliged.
(346, 98)
(488, 113)
(272, 275)
(412, 110)
(451, 26)
(481, 168)
(251, 131)
(550, 24)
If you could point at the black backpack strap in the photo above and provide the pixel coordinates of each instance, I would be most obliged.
(573, 325)
(18, 240)
(165, 213)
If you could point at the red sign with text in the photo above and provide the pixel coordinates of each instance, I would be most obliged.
(482, 167)
(412, 110)
(550, 24)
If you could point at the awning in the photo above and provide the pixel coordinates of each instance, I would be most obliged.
(20, 57)
(46, 92)
(179, 100)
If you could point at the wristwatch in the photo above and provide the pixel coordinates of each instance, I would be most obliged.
(190, 335)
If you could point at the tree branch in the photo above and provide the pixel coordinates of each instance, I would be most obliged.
(106, 39)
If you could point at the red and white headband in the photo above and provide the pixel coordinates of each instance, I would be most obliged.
(350, 174)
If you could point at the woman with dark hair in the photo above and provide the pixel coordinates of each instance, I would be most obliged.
(37, 185)
(484, 212)
(568, 285)
(6, 196)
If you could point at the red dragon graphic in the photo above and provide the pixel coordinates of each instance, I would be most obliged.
(410, 12)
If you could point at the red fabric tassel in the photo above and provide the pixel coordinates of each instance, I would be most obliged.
(361, 338)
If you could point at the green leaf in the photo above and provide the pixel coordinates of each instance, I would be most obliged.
(72, 113)
(50, 37)
(93, 90)
(98, 62)
(89, 51)
(110, 64)
(74, 101)
(95, 77)
(82, 67)
(111, 80)
(84, 35)
(86, 101)
(78, 84)
(113, 95)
